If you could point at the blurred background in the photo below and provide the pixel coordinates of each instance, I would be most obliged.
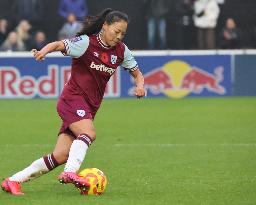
(199, 149)
(183, 47)
(174, 22)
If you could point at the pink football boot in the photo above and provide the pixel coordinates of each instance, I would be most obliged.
(71, 177)
(12, 187)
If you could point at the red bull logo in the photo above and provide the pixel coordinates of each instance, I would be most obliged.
(157, 80)
(15, 85)
(177, 79)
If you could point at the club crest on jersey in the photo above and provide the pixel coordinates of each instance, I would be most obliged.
(113, 59)
(80, 113)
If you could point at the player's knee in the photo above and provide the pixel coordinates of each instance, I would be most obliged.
(87, 138)
(93, 135)
(90, 133)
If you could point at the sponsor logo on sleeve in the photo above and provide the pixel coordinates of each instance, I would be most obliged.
(75, 39)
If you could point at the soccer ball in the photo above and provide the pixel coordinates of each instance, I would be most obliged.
(97, 180)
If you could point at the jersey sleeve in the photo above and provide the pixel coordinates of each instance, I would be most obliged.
(76, 47)
(129, 63)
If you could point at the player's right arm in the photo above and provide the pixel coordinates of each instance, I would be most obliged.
(50, 47)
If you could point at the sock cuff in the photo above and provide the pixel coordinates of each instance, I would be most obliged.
(85, 138)
(50, 161)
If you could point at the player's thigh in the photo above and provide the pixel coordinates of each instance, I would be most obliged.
(84, 126)
(62, 147)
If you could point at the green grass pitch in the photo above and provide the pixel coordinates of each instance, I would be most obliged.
(154, 151)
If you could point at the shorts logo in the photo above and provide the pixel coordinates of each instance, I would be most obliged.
(80, 113)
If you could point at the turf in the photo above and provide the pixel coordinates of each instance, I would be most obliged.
(153, 151)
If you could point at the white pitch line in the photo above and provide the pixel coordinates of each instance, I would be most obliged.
(145, 145)
(187, 145)
(26, 145)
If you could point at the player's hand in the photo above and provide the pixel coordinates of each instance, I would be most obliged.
(140, 92)
(38, 55)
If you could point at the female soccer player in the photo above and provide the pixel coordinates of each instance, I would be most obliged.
(96, 53)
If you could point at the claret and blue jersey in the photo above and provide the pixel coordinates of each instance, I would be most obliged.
(93, 63)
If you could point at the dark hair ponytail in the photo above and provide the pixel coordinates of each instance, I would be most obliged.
(93, 24)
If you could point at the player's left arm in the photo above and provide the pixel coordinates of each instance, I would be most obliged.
(129, 63)
(139, 90)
